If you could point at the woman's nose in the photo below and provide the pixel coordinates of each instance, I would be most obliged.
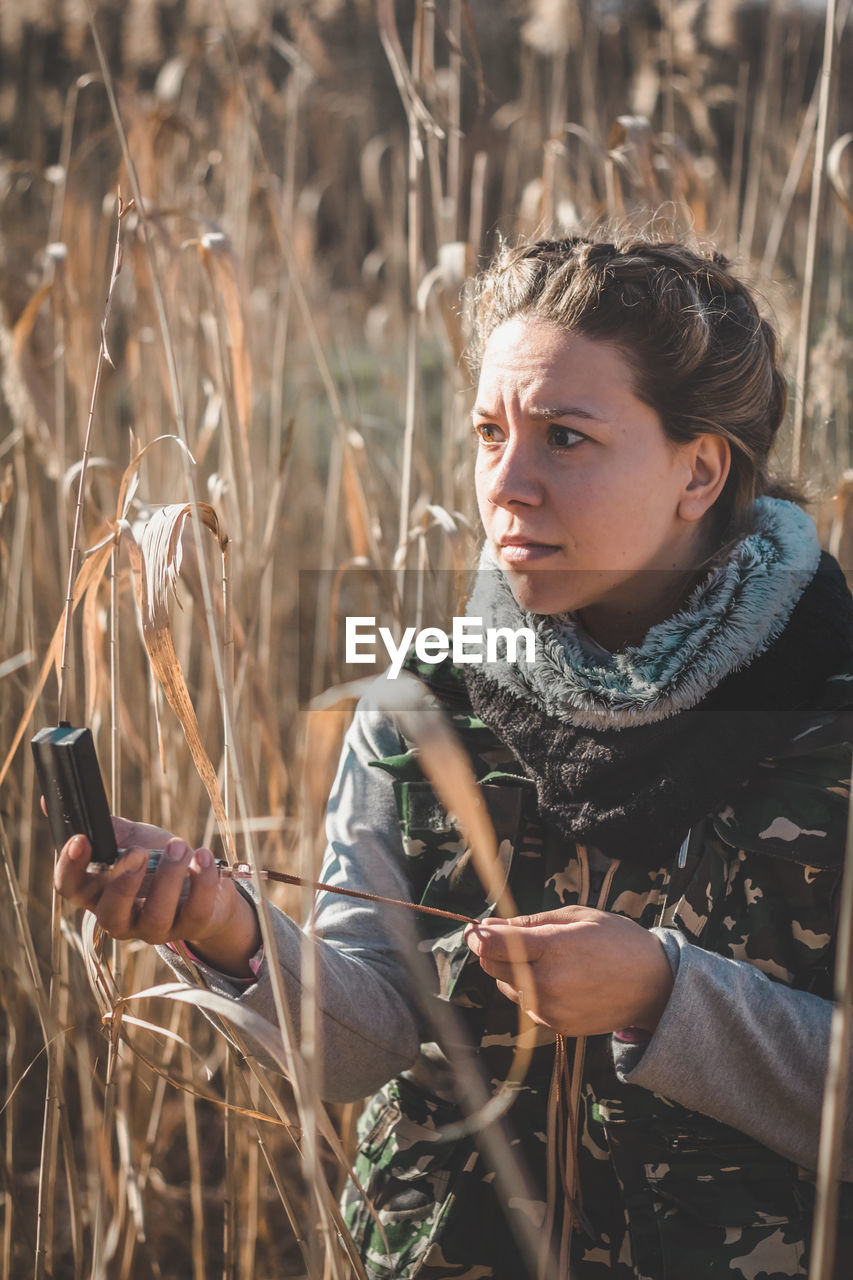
(513, 477)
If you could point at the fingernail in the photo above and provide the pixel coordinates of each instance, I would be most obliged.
(177, 850)
(77, 847)
(203, 859)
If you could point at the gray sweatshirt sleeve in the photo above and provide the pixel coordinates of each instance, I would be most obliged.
(369, 1020)
(739, 1047)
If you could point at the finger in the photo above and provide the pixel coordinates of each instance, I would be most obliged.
(117, 908)
(513, 975)
(206, 888)
(69, 875)
(139, 835)
(525, 998)
(502, 941)
(155, 921)
(517, 995)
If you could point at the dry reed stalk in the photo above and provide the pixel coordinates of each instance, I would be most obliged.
(9, 1136)
(88, 1111)
(280, 440)
(805, 141)
(232, 353)
(108, 1193)
(827, 79)
(247, 1266)
(553, 147)
(115, 701)
(245, 1023)
(454, 128)
(58, 256)
(56, 1123)
(28, 784)
(277, 984)
(231, 1199)
(169, 351)
(154, 1121)
(55, 1057)
(196, 1179)
(286, 247)
(322, 616)
(50, 1128)
(103, 357)
(15, 581)
(840, 408)
(309, 1028)
(425, 23)
(761, 112)
(414, 246)
(302, 1095)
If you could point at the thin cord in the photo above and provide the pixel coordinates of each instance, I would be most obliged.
(242, 871)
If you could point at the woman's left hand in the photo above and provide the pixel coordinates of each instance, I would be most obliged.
(584, 972)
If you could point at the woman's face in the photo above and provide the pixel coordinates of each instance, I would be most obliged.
(588, 506)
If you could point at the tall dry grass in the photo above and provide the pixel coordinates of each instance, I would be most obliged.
(286, 392)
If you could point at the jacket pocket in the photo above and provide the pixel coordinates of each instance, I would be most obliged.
(441, 865)
(738, 1221)
(439, 861)
(407, 1177)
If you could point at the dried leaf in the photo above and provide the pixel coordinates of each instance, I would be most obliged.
(94, 659)
(91, 568)
(218, 259)
(269, 1038)
(22, 659)
(446, 278)
(157, 1030)
(96, 463)
(156, 563)
(7, 485)
(457, 536)
(833, 169)
(323, 734)
(632, 143)
(28, 363)
(129, 478)
(355, 501)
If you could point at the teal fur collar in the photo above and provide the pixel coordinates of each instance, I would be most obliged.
(738, 609)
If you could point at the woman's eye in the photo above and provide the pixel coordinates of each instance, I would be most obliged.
(487, 432)
(564, 437)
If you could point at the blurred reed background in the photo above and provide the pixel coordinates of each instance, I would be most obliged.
(286, 341)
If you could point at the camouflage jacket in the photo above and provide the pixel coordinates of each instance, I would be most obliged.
(664, 1191)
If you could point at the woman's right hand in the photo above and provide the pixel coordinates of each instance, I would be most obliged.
(218, 924)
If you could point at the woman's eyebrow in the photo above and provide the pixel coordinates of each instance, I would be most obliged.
(543, 412)
(547, 413)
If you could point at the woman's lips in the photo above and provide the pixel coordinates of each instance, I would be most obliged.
(525, 552)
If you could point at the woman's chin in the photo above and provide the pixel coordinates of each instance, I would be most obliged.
(542, 593)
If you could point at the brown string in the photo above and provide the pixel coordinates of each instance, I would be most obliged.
(286, 878)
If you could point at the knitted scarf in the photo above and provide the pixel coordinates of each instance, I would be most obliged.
(629, 750)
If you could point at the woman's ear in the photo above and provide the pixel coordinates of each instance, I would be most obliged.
(710, 461)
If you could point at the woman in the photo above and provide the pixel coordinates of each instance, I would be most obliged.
(668, 786)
